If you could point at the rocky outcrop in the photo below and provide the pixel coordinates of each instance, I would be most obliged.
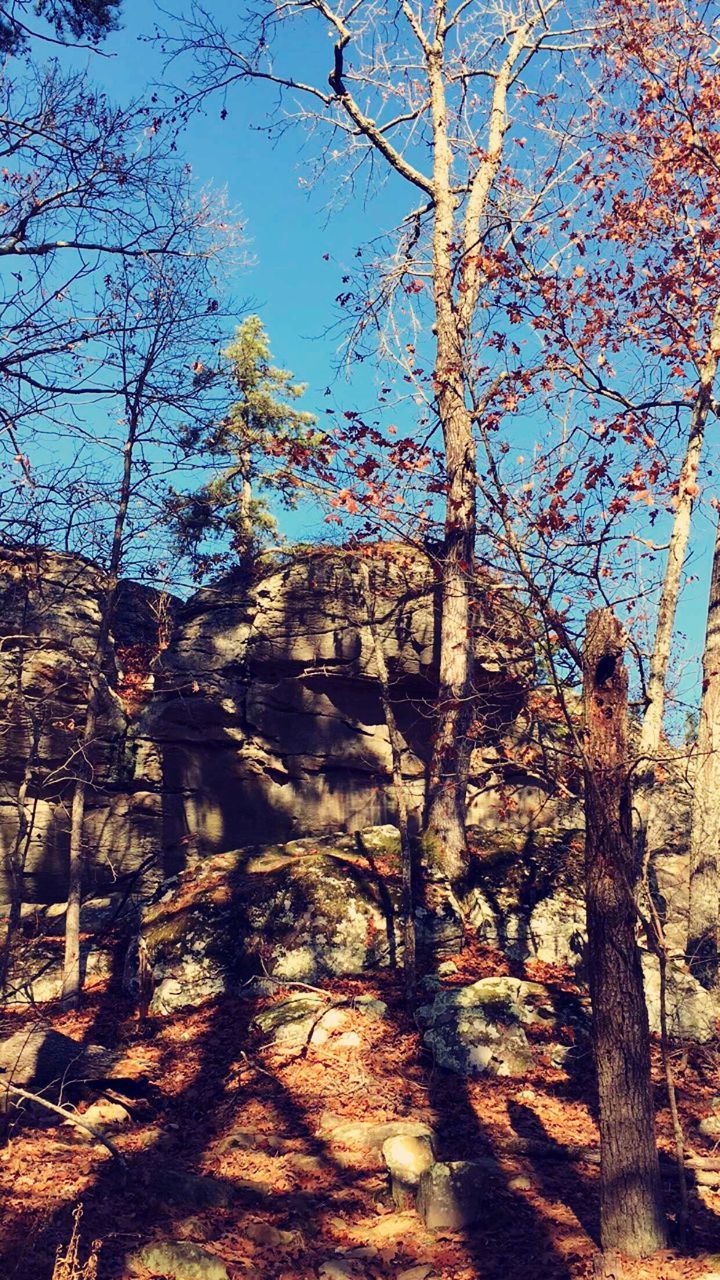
(329, 907)
(692, 1012)
(486, 1028)
(305, 911)
(267, 722)
(251, 714)
(257, 714)
(40, 1058)
(50, 608)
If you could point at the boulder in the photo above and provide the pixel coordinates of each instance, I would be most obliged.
(40, 1058)
(374, 1010)
(328, 913)
(481, 1028)
(371, 1135)
(309, 910)
(300, 1019)
(527, 898)
(521, 1182)
(709, 1127)
(265, 1234)
(692, 1012)
(342, 1269)
(407, 1158)
(452, 1196)
(36, 973)
(177, 1260)
(104, 1116)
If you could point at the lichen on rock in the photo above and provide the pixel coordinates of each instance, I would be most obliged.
(482, 1028)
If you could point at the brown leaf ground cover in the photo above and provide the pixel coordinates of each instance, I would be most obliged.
(285, 1198)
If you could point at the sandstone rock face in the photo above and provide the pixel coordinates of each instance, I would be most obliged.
(692, 1012)
(268, 719)
(36, 972)
(262, 720)
(50, 607)
(527, 900)
(259, 720)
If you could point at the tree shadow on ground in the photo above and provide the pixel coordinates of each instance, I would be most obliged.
(505, 1216)
(577, 1191)
(156, 1188)
(579, 1085)
(233, 1083)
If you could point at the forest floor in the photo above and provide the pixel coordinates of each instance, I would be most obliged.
(215, 1102)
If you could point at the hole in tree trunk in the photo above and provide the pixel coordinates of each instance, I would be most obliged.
(605, 669)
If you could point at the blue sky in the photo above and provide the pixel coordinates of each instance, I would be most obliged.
(289, 281)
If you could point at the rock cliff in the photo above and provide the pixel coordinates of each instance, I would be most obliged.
(242, 744)
(267, 722)
(49, 621)
(256, 715)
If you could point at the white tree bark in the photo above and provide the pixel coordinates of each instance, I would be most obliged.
(679, 537)
(704, 904)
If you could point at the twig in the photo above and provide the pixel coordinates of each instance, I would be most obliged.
(285, 982)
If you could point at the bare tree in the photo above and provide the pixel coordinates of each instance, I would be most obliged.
(84, 185)
(427, 94)
(166, 316)
(704, 904)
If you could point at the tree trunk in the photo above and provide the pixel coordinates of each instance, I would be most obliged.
(444, 841)
(72, 976)
(16, 857)
(702, 947)
(396, 748)
(631, 1214)
(680, 533)
(245, 523)
(651, 731)
(444, 860)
